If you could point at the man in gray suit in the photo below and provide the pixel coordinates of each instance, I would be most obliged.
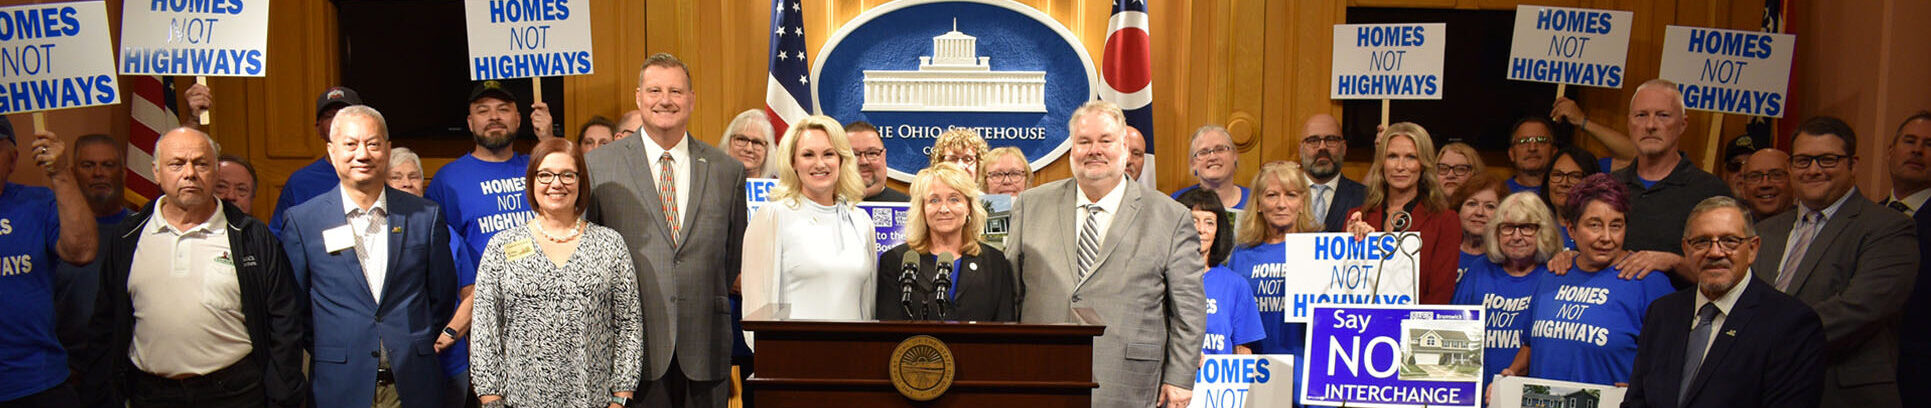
(679, 204)
(1848, 258)
(1122, 249)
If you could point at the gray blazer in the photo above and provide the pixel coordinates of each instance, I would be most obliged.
(1856, 274)
(1146, 287)
(683, 289)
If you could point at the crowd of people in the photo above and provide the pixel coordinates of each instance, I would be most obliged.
(613, 270)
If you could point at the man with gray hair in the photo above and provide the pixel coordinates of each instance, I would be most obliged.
(1213, 158)
(1137, 264)
(1771, 349)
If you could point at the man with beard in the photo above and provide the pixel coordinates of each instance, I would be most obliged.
(480, 193)
(1322, 149)
(870, 150)
(1910, 188)
(99, 167)
(1531, 142)
(318, 177)
(1765, 183)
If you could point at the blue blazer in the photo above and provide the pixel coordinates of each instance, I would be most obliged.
(418, 297)
(1348, 194)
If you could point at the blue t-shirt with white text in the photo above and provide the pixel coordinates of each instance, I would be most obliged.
(1468, 260)
(1265, 267)
(31, 358)
(1232, 318)
(478, 199)
(1585, 324)
(1505, 303)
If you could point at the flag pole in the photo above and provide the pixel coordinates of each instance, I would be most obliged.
(1561, 89)
(1384, 112)
(1715, 142)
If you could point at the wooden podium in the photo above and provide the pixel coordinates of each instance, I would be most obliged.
(818, 363)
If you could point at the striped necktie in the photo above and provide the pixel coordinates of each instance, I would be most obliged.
(1089, 241)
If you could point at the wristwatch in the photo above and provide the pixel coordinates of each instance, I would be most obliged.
(619, 400)
(451, 332)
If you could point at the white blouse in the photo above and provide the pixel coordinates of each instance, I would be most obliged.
(819, 259)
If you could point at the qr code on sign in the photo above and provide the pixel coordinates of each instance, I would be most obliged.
(882, 217)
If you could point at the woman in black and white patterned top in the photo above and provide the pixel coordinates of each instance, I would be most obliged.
(557, 322)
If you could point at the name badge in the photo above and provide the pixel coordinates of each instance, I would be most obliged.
(518, 249)
(338, 238)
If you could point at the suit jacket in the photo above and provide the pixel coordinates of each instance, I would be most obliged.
(1856, 274)
(1348, 194)
(271, 305)
(1769, 353)
(418, 297)
(983, 292)
(1914, 341)
(684, 287)
(1146, 286)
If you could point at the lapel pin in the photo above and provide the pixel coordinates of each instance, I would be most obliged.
(395, 230)
(1731, 333)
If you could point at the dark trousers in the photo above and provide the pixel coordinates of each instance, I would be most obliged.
(675, 390)
(238, 385)
(61, 396)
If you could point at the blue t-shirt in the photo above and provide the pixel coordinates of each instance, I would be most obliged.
(30, 355)
(1232, 318)
(1505, 301)
(1605, 163)
(310, 181)
(1242, 205)
(1568, 242)
(455, 359)
(1515, 187)
(478, 199)
(1265, 266)
(1585, 324)
(1468, 260)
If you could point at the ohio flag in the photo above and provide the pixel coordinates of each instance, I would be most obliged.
(787, 90)
(1127, 68)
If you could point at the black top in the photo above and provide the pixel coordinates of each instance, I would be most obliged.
(984, 288)
(888, 195)
(1658, 213)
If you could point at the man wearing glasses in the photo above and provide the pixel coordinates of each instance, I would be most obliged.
(1531, 148)
(1322, 149)
(870, 150)
(1213, 159)
(1847, 257)
(1764, 183)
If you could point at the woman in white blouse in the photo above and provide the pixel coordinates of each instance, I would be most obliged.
(811, 247)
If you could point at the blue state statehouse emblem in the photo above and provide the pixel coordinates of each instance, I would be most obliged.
(918, 68)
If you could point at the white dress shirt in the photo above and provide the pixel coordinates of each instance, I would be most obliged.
(371, 227)
(1915, 201)
(1109, 204)
(1724, 304)
(680, 155)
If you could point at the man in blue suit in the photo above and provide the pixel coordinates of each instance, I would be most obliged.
(1322, 150)
(376, 266)
(1910, 188)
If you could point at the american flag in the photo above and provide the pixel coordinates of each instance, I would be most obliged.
(787, 90)
(1127, 68)
(152, 111)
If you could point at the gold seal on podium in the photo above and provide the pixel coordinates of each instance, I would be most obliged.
(921, 368)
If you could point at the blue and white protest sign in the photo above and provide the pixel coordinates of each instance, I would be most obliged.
(1244, 381)
(528, 38)
(1383, 269)
(1729, 71)
(1570, 45)
(888, 219)
(1389, 61)
(56, 56)
(1394, 356)
(201, 38)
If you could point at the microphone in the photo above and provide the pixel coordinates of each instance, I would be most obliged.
(941, 284)
(909, 268)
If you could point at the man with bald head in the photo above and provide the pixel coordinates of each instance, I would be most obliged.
(627, 125)
(1322, 150)
(1765, 183)
(198, 306)
(1663, 184)
(1136, 155)
(37, 226)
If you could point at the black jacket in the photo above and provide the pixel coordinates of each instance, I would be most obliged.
(1769, 353)
(275, 311)
(984, 287)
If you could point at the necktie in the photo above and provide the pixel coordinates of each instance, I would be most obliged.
(1320, 202)
(667, 192)
(1089, 241)
(1699, 344)
(1806, 229)
(1899, 206)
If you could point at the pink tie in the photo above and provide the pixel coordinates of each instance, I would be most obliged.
(1806, 229)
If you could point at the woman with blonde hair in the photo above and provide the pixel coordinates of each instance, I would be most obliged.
(1007, 171)
(1404, 195)
(1517, 244)
(811, 247)
(1277, 206)
(963, 147)
(945, 225)
(1458, 162)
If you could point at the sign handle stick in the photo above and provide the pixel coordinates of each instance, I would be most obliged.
(203, 81)
(1384, 113)
(40, 122)
(1561, 89)
(1716, 142)
(536, 89)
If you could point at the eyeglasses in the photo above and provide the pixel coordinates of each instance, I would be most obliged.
(625, 133)
(1013, 175)
(1567, 177)
(870, 154)
(1212, 151)
(1734, 165)
(1774, 176)
(1729, 243)
(1458, 169)
(1827, 161)
(567, 178)
(1532, 140)
(1527, 230)
(1331, 140)
(746, 141)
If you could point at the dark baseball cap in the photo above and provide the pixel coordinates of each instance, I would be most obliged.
(336, 96)
(491, 89)
(1742, 145)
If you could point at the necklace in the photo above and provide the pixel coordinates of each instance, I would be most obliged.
(575, 231)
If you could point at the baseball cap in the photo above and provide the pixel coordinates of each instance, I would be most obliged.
(335, 96)
(1742, 145)
(491, 89)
